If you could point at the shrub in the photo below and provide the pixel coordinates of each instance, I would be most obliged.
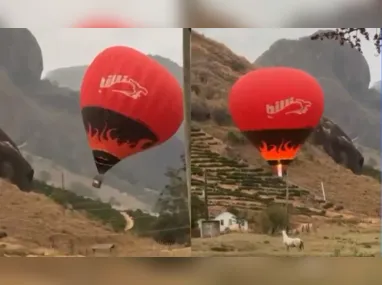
(235, 137)
(94, 209)
(372, 162)
(82, 190)
(273, 219)
(328, 205)
(233, 210)
(200, 111)
(45, 175)
(171, 229)
(221, 116)
(195, 89)
(338, 208)
(143, 223)
(372, 172)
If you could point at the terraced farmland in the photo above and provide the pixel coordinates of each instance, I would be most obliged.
(237, 184)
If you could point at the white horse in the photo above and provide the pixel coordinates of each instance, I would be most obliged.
(292, 242)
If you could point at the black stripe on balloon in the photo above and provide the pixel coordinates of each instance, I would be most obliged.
(104, 161)
(111, 134)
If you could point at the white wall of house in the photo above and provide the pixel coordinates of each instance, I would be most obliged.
(230, 221)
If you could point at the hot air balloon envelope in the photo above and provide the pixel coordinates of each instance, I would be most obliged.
(276, 108)
(129, 103)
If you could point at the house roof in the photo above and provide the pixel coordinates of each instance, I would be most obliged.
(232, 215)
(225, 213)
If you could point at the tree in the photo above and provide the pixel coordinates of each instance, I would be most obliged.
(95, 209)
(45, 175)
(143, 222)
(82, 190)
(173, 223)
(352, 36)
(273, 219)
(233, 210)
(113, 201)
(241, 215)
(197, 210)
(372, 162)
(235, 137)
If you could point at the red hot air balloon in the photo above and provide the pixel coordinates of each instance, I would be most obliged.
(129, 103)
(277, 108)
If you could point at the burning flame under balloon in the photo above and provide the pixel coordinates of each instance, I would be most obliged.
(105, 141)
(278, 153)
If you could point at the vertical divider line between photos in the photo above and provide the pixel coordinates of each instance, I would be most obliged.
(380, 146)
(187, 109)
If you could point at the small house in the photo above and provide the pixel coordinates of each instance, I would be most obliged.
(229, 222)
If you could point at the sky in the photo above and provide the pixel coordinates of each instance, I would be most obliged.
(21, 13)
(251, 43)
(164, 13)
(70, 47)
(262, 13)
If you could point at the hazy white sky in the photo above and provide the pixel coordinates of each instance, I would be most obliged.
(62, 13)
(69, 47)
(266, 13)
(251, 43)
(274, 13)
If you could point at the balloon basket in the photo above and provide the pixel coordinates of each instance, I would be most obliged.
(97, 181)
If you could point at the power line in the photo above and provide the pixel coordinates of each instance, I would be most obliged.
(100, 209)
(2, 220)
(137, 218)
(76, 207)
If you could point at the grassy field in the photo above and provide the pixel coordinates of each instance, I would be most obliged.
(38, 225)
(329, 240)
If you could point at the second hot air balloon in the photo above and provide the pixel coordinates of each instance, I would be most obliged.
(277, 108)
(129, 103)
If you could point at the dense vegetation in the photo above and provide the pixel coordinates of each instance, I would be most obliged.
(250, 193)
(172, 225)
(169, 227)
(372, 172)
(95, 209)
(352, 36)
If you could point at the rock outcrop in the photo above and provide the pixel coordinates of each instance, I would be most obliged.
(366, 14)
(20, 56)
(338, 145)
(13, 166)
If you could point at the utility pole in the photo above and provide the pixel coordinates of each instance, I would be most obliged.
(62, 180)
(286, 191)
(206, 215)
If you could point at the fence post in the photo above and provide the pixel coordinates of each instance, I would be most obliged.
(206, 196)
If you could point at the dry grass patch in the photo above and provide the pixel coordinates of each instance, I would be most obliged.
(330, 240)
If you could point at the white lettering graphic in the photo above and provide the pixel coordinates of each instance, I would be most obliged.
(124, 85)
(288, 106)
